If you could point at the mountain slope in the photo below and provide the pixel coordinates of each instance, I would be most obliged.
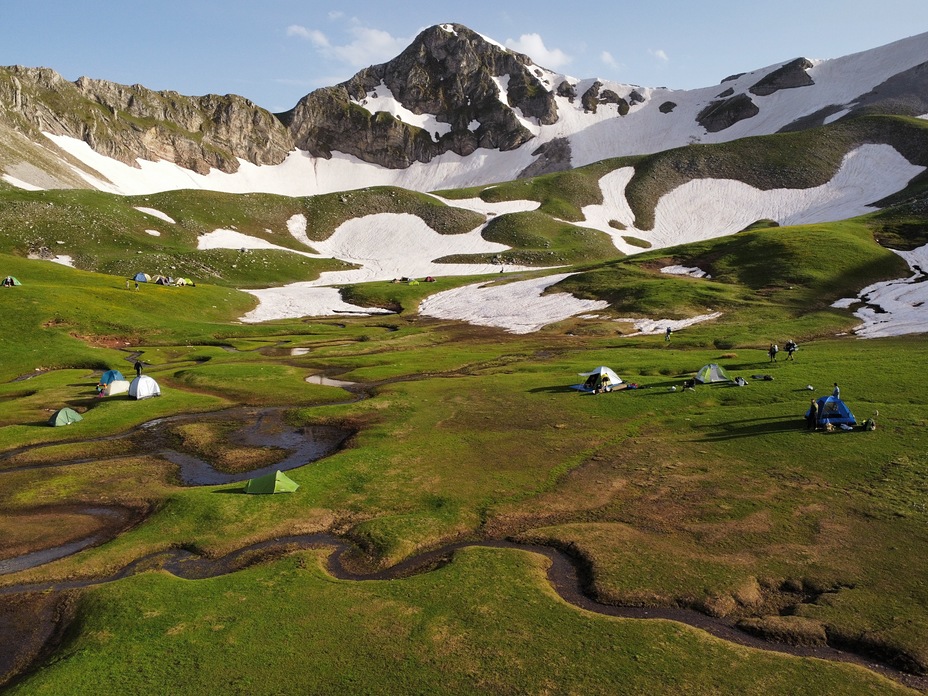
(454, 109)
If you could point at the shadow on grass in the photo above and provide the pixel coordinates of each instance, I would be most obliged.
(753, 427)
(559, 389)
(232, 491)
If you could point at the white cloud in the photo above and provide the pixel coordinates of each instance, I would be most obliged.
(660, 54)
(366, 46)
(317, 38)
(532, 45)
(608, 59)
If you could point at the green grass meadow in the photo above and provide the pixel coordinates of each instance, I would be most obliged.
(716, 499)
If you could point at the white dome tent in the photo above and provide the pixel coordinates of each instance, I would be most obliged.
(144, 387)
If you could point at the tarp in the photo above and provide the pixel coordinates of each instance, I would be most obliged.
(832, 410)
(275, 482)
(141, 277)
(144, 387)
(64, 416)
(595, 378)
(117, 386)
(712, 373)
(111, 376)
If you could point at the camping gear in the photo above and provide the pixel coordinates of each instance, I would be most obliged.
(111, 376)
(596, 377)
(141, 277)
(10, 281)
(117, 386)
(64, 416)
(144, 387)
(712, 374)
(833, 411)
(274, 482)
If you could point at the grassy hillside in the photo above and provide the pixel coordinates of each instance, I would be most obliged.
(716, 499)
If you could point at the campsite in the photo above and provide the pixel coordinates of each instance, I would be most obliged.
(723, 502)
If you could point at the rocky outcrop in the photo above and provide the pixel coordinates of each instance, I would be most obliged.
(788, 76)
(128, 123)
(567, 90)
(667, 107)
(553, 156)
(719, 115)
(448, 72)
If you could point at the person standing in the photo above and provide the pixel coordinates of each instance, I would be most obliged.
(837, 392)
(667, 334)
(790, 349)
(772, 352)
(812, 416)
(138, 368)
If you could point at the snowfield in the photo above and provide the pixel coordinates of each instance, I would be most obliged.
(383, 247)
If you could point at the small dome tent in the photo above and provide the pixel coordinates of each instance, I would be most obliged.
(141, 277)
(11, 281)
(712, 374)
(274, 482)
(144, 387)
(597, 377)
(832, 410)
(64, 416)
(111, 376)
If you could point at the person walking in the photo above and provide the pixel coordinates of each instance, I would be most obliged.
(138, 368)
(791, 348)
(136, 285)
(772, 352)
(667, 334)
(812, 416)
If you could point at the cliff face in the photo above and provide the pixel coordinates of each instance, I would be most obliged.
(127, 123)
(468, 84)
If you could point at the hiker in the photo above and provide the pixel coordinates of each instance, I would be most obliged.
(837, 392)
(136, 285)
(667, 334)
(127, 283)
(772, 352)
(812, 416)
(138, 368)
(791, 348)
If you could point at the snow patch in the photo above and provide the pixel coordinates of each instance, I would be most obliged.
(685, 271)
(153, 233)
(894, 307)
(518, 307)
(13, 181)
(645, 327)
(157, 214)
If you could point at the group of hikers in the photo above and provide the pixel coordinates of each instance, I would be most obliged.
(791, 348)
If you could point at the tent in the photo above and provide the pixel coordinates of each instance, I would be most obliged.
(144, 387)
(274, 482)
(712, 374)
(594, 378)
(117, 386)
(161, 280)
(832, 410)
(111, 376)
(10, 281)
(64, 416)
(141, 277)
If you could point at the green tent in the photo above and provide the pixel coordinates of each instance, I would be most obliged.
(274, 482)
(10, 281)
(65, 416)
(712, 374)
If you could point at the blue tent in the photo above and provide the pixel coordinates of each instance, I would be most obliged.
(111, 376)
(141, 278)
(832, 410)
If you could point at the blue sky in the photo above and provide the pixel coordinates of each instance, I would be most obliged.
(276, 51)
